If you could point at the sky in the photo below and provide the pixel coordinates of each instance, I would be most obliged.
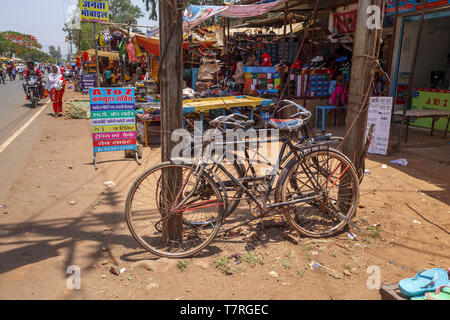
(45, 19)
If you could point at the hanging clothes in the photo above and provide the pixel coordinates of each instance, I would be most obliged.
(131, 52)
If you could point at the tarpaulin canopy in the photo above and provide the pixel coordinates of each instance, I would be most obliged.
(194, 15)
(149, 44)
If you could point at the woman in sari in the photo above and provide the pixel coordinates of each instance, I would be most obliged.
(56, 85)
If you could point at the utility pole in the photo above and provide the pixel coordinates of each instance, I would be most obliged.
(96, 56)
(170, 82)
(363, 50)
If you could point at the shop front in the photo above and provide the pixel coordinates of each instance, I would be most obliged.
(431, 82)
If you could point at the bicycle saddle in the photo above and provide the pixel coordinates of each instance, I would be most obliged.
(286, 124)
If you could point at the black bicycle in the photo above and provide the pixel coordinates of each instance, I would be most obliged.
(175, 210)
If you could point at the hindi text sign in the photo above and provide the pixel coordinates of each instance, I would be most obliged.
(113, 119)
(379, 112)
(94, 11)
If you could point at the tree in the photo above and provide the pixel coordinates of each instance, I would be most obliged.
(123, 11)
(55, 53)
(23, 46)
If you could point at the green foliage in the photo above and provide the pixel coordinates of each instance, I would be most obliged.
(223, 264)
(182, 264)
(29, 48)
(253, 258)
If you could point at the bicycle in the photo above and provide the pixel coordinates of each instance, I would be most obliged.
(175, 210)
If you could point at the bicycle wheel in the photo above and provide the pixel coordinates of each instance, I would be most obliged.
(335, 190)
(168, 230)
(234, 193)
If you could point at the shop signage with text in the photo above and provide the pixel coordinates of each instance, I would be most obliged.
(113, 119)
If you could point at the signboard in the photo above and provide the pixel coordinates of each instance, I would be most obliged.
(94, 11)
(379, 113)
(87, 82)
(412, 5)
(113, 119)
(430, 99)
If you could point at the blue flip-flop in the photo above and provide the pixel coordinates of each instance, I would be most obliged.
(426, 280)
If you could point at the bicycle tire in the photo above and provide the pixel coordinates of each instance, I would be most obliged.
(316, 211)
(171, 248)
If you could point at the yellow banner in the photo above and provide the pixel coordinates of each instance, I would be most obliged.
(94, 11)
(116, 128)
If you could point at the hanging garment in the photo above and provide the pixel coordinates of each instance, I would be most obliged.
(122, 47)
(137, 51)
(131, 53)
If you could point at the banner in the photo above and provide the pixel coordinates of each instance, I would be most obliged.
(113, 119)
(94, 11)
(131, 53)
(412, 5)
(87, 82)
(379, 113)
(430, 99)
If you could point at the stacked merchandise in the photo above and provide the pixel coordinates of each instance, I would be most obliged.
(318, 85)
(291, 49)
(261, 80)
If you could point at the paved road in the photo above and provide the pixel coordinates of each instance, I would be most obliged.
(15, 111)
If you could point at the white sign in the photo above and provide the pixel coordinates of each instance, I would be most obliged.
(379, 113)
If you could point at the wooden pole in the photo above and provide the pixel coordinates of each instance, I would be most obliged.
(170, 80)
(364, 44)
(411, 75)
(97, 73)
(394, 33)
(283, 48)
(300, 49)
(125, 57)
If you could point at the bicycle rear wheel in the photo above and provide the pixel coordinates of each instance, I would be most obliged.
(335, 188)
(174, 217)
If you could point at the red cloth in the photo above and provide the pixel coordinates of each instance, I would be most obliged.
(85, 56)
(266, 60)
(297, 65)
(56, 97)
(36, 71)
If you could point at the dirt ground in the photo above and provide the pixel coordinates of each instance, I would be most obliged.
(60, 213)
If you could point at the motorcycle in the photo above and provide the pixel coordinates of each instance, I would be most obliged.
(32, 89)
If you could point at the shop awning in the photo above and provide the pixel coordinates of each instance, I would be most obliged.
(151, 45)
(107, 54)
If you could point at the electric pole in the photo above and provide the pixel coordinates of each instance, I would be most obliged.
(363, 63)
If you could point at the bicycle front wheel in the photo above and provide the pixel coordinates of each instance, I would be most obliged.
(173, 211)
(330, 179)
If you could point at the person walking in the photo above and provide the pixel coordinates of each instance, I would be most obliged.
(108, 78)
(20, 71)
(2, 73)
(9, 69)
(13, 73)
(239, 74)
(56, 85)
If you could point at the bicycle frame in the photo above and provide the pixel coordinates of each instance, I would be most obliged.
(287, 142)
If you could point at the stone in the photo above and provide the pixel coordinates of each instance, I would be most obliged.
(104, 262)
(273, 274)
(158, 265)
(202, 264)
(73, 202)
(347, 273)
(152, 285)
(114, 270)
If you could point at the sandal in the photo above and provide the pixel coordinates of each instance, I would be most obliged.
(426, 280)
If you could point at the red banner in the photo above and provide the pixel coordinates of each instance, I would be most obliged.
(131, 53)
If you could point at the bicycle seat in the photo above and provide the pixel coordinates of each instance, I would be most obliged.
(286, 124)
